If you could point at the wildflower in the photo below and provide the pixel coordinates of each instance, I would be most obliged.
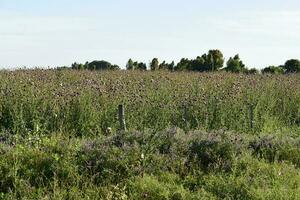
(108, 130)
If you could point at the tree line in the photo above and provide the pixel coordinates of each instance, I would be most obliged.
(210, 62)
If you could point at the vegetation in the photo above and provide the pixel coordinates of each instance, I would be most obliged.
(292, 66)
(235, 65)
(190, 135)
(150, 165)
(210, 62)
(273, 70)
(95, 65)
(135, 65)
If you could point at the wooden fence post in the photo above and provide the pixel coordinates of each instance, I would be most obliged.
(122, 117)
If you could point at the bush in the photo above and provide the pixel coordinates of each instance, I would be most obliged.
(213, 152)
(107, 162)
(273, 149)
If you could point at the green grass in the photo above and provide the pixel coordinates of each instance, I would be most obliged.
(85, 103)
(175, 165)
(56, 143)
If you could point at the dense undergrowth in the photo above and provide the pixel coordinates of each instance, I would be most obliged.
(60, 140)
(170, 164)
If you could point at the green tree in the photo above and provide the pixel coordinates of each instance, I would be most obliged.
(95, 65)
(273, 70)
(154, 65)
(235, 64)
(75, 65)
(163, 65)
(214, 60)
(167, 66)
(141, 66)
(184, 64)
(130, 65)
(198, 65)
(292, 66)
(102, 65)
(171, 66)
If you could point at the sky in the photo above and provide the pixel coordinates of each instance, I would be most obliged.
(42, 33)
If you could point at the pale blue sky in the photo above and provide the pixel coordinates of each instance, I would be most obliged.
(59, 32)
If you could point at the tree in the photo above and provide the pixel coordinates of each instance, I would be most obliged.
(214, 60)
(184, 64)
(154, 65)
(163, 65)
(141, 66)
(95, 65)
(198, 64)
(171, 66)
(235, 65)
(273, 70)
(102, 65)
(135, 65)
(167, 66)
(130, 65)
(292, 66)
(77, 66)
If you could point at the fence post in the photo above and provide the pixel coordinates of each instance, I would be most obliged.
(251, 116)
(122, 117)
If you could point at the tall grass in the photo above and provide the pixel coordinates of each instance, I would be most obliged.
(85, 103)
(189, 135)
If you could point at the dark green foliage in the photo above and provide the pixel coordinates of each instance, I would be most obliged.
(129, 65)
(273, 70)
(235, 65)
(210, 62)
(154, 65)
(167, 66)
(95, 65)
(136, 65)
(213, 61)
(184, 64)
(140, 66)
(292, 66)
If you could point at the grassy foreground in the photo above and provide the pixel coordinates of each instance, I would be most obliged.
(189, 135)
(170, 164)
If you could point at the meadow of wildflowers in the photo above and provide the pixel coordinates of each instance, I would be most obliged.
(85, 103)
(189, 135)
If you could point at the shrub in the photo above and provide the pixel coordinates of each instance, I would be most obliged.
(108, 163)
(273, 149)
(213, 152)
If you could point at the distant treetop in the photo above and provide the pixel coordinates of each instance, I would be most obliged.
(210, 62)
(95, 65)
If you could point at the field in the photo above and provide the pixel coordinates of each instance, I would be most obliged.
(189, 135)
